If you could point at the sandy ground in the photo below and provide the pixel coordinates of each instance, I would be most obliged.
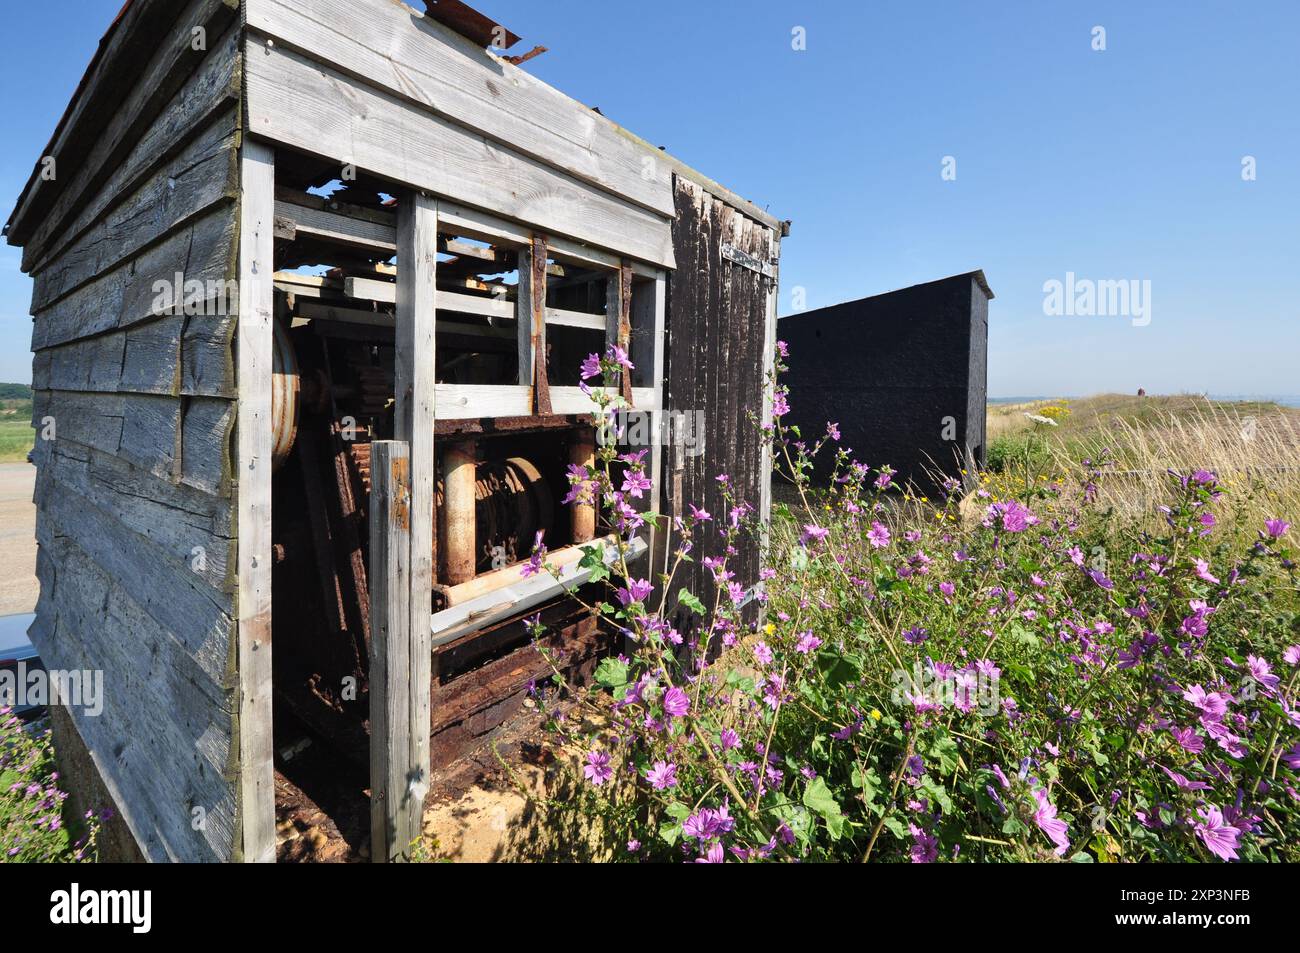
(18, 586)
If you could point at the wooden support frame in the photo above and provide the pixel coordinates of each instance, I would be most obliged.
(658, 319)
(395, 809)
(582, 515)
(417, 244)
(532, 323)
(769, 365)
(618, 320)
(255, 345)
(478, 613)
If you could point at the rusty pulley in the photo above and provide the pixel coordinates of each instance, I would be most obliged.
(285, 390)
(512, 502)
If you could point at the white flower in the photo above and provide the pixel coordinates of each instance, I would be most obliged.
(1040, 419)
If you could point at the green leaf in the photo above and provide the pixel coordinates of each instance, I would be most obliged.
(593, 559)
(938, 793)
(688, 599)
(1024, 636)
(839, 669)
(739, 681)
(611, 673)
(669, 832)
(817, 797)
(944, 750)
(678, 811)
(896, 827)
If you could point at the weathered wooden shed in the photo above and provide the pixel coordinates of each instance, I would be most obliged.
(904, 374)
(312, 280)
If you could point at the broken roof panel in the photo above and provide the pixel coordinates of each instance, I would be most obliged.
(469, 22)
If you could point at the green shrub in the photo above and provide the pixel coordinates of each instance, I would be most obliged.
(1032, 681)
(34, 826)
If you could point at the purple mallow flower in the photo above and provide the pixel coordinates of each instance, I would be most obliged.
(1051, 825)
(878, 536)
(597, 769)
(1220, 838)
(662, 776)
(676, 702)
(637, 590)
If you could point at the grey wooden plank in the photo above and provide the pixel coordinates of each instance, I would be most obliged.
(161, 584)
(162, 741)
(352, 231)
(423, 62)
(209, 97)
(207, 357)
(172, 355)
(204, 173)
(192, 528)
(417, 254)
(394, 812)
(169, 68)
(253, 453)
(148, 432)
(206, 430)
(293, 101)
(202, 251)
(88, 365)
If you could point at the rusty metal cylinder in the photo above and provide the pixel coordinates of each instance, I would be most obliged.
(582, 453)
(457, 524)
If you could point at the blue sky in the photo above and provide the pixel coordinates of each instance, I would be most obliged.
(1124, 164)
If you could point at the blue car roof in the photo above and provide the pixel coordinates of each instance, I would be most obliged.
(14, 644)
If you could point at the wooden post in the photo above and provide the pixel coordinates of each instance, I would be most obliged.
(254, 344)
(582, 453)
(769, 364)
(417, 262)
(651, 315)
(457, 543)
(531, 315)
(618, 320)
(395, 809)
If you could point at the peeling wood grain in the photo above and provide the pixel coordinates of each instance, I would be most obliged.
(170, 67)
(311, 107)
(145, 288)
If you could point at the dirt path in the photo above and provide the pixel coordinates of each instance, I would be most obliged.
(18, 586)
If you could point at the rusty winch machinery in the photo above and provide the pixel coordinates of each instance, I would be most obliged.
(496, 489)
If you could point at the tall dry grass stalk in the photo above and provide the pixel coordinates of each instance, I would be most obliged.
(1257, 459)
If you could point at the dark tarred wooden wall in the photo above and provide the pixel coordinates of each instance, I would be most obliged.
(717, 318)
(891, 370)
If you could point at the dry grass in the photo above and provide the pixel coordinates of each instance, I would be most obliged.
(1254, 448)
(1256, 458)
(1108, 411)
